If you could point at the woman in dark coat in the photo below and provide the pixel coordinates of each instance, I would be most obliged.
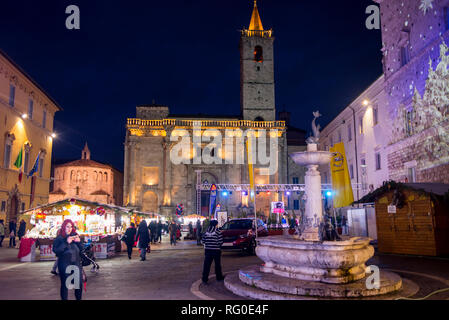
(129, 238)
(68, 247)
(22, 229)
(143, 239)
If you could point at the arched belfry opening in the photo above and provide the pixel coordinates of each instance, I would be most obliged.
(258, 54)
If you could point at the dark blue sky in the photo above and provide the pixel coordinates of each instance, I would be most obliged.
(183, 53)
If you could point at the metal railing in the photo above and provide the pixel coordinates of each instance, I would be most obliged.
(135, 122)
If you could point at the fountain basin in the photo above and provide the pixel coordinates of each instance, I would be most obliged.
(327, 261)
(312, 157)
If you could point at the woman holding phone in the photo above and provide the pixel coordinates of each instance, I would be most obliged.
(68, 247)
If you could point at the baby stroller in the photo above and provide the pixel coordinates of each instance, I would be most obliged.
(88, 258)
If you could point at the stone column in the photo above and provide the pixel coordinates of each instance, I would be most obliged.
(314, 206)
(126, 174)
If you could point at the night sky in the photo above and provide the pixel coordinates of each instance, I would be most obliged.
(185, 54)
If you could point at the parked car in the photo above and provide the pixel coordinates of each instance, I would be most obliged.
(239, 234)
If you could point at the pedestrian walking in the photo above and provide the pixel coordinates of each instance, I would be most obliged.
(153, 230)
(54, 269)
(143, 239)
(129, 239)
(159, 232)
(172, 228)
(198, 232)
(67, 247)
(2, 232)
(212, 240)
(191, 234)
(22, 229)
(12, 233)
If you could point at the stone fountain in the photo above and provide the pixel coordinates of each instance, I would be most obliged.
(303, 266)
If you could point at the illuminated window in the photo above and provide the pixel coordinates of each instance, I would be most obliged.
(258, 54)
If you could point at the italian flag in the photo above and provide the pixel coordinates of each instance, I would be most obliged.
(18, 164)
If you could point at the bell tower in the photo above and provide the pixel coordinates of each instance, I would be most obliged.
(257, 71)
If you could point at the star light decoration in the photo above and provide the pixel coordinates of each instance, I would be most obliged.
(426, 5)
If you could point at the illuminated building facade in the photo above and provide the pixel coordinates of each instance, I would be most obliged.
(26, 122)
(154, 183)
(87, 179)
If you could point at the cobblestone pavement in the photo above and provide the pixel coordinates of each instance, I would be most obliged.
(170, 273)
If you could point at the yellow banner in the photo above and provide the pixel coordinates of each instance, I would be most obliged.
(252, 192)
(341, 182)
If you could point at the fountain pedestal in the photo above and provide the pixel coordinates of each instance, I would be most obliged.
(304, 264)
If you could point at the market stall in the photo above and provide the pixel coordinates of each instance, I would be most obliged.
(100, 224)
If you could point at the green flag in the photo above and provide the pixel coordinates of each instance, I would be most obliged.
(18, 163)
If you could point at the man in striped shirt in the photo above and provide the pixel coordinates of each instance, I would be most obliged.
(212, 241)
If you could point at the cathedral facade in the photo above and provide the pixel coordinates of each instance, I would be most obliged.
(167, 156)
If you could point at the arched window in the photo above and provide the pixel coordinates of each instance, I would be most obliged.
(85, 175)
(72, 175)
(259, 119)
(78, 175)
(258, 54)
(101, 177)
(106, 177)
(77, 191)
(96, 175)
